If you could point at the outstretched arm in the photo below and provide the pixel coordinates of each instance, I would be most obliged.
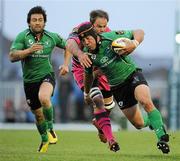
(88, 81)
(64, 69)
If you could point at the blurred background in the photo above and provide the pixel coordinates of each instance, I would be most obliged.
(158, 55)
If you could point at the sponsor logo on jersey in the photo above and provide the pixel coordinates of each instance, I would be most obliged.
(104, 59)
(108, 61)
(121, 32)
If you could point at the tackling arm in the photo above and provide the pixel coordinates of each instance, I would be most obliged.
(64, 69)
(74, 49)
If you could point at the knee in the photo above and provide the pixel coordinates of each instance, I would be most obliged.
(97, 97)
(147, 103)
(45, 100)
(138, 125)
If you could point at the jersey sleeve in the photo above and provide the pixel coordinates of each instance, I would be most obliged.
(60, 42)
(18, 43)
(128, 34)
(75, 37)
(125, 33)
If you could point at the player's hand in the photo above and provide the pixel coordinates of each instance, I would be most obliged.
(129, 48)
(87, 98)
(35, 47)
(63, 70)
(84, 60)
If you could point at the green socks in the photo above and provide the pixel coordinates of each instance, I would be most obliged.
(42, 128)
(156, 122)
(146, 120)
(48, 113)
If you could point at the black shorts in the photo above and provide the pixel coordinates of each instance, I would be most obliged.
(106, 94)
(32, 90)
(124, 93)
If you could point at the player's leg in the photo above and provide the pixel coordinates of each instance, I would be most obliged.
(109, 105)
(42, 129)
(78, 72)
(102, 117)
(45, 93)
(31, 92)
(142, 94)
(134, 115)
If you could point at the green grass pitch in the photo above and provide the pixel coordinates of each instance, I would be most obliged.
(21, 145)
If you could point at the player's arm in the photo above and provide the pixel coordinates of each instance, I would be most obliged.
(61, 43)
(16, 54)
(73, 48)
(88, 81)
(137, 37)
(64, 69)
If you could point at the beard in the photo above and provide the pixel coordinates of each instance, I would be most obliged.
(36, 30)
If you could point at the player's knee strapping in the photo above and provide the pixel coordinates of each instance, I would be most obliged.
(97, 97)
(109, 105)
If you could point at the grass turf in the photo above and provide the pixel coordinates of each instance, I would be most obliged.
(21, 145)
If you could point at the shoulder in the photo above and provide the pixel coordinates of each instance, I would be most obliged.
(53, 35)
(23, 33)
(108, 34)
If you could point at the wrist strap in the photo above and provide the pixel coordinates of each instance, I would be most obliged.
(136, 43)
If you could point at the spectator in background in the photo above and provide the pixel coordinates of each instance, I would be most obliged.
(79, 104)
(9, 111)
(65, 90)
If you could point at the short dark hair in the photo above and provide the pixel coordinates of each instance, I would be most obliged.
(36, 10)
(98, 13)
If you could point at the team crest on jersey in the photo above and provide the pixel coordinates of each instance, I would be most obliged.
(121, 32)
(30, 41)
(93, 56)
(47, 43)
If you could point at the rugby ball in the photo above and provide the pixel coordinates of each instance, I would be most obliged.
(119, 44)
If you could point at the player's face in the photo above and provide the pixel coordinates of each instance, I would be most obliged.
(100, 25)
(89, 42)
(37, 23)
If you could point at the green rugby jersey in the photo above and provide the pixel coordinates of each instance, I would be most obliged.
(38, 64)
(116, 68)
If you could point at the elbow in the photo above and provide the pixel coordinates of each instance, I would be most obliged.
(142, 33)
(11, 57)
